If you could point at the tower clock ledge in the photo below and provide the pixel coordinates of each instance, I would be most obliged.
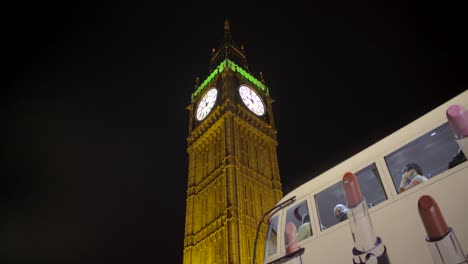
(203, 128)
(242, 115)
(256, 122)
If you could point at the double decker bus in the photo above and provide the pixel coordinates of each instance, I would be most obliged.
(323, 235)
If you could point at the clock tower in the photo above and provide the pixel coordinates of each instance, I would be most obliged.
(233, 173)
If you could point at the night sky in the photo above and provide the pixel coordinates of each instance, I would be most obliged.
(96, 94)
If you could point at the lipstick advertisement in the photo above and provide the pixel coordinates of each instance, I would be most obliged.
(368, 247)
(441, 239)
(457, 118)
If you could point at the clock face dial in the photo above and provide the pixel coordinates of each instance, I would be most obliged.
(206, 104)
(252, 100)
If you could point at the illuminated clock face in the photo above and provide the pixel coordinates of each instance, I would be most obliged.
(206, 104)
(252, 100)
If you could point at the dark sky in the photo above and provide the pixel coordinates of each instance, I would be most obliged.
(96, 121)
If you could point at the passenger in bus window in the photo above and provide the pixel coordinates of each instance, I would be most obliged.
(412, 176)
(304, 230)
(341, 212)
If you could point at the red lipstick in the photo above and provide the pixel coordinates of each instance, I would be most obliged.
(441, 239)
(368, 248)
(351, 189)
(432, 218)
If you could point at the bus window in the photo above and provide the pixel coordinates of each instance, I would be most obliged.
(331, 204)
(299, 216)
(434, 152)
(371, 185)
(272, 237)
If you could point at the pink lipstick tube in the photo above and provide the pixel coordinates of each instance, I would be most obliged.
(368, 247)
(457, 118)
(441, 239)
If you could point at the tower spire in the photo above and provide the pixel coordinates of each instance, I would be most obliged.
(227, 34)
(228, 50)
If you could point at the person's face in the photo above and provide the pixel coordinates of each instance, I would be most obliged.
(338, 212)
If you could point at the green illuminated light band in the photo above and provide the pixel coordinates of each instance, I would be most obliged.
(234, 67)
(213, 74)
(246, 75)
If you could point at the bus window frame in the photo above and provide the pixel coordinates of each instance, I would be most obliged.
(394, 185)
(282, 214)
(278, 234)
(379, 178)
(311, 220)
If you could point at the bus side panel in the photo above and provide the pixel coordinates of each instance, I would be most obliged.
(400, 225)
(335, 246)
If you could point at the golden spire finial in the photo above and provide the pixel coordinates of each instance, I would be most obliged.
(227, 34)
